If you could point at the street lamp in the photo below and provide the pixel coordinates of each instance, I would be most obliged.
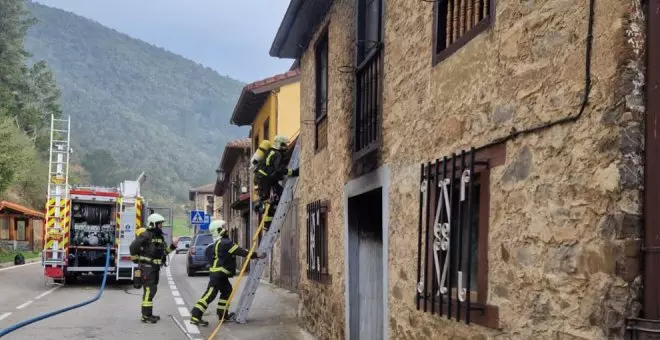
(221, 174)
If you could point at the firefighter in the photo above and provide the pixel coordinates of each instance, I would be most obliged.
(149, 251)
(222, 257)
(268, 174)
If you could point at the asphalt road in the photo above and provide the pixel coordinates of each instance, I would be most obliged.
(116, 315)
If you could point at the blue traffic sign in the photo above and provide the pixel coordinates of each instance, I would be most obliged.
(207, 222)
(197, 217)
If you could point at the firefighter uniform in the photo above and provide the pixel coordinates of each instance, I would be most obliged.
(268, 174)
(222, 257)
(150, 250)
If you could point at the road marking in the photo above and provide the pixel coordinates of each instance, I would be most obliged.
(24, 305)
(4, 316)
(178, 300)
(172, 287)
(171, 282)
(176, 293)
(19, 266)
(184, 312)
(45, 293)
(192, 329)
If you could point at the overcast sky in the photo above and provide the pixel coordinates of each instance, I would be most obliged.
(230, 36)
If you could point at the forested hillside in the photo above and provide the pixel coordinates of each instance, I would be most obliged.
(134, 107)
(28, 96)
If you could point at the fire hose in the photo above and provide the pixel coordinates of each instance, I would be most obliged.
(24, 323)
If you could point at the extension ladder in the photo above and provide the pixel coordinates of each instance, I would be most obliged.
(54, 254)
(267, 242)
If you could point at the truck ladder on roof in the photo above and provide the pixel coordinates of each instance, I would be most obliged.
(267, 242)
(54, 255)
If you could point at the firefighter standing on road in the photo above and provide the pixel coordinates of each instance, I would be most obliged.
(267, 176)
(222, 257)
(149, 250)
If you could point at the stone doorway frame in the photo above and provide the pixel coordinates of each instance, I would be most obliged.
(379, 178)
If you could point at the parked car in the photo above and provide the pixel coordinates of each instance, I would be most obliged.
(184, 244)
(196, 261)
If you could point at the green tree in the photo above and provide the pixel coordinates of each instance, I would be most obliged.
(28, 96)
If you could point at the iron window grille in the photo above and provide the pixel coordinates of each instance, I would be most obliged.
(317, 242)
(321, 105)
(456, 22)
(450, 268)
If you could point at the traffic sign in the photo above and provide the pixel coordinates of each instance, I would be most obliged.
(197, 217)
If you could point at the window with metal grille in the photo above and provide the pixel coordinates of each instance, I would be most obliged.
(321, 106)
(317, 242)
(368, 74)
(452, 267)
(457, 22)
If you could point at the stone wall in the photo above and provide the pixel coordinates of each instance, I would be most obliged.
(15, 245)
(564, 224)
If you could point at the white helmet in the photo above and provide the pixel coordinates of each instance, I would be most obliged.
(280, 142)
(217, 228)
(153, 219)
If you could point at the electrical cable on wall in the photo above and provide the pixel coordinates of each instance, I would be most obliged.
(24, 323)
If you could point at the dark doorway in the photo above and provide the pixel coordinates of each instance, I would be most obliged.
(365, 248)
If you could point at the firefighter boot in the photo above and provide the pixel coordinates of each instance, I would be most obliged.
(228, 316)
(149, 319)
(199, 322)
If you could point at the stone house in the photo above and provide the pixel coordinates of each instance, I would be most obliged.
(21, 228)
(271, 107)
(475, 169)
(202, 198)
(232, 186)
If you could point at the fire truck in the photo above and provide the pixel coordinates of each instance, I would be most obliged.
(81, 222)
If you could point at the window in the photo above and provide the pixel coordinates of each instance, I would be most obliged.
(368, 74)
(266, 128)
(321, 106)
(452, 267)
(317, 242)
(457, 22)
(4, 228)
(20, 230)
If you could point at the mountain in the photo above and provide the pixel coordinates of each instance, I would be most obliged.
(135, 107)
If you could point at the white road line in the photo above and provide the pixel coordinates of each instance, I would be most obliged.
(178, 300)
(46, 293)
(19, 266)
(184, 312)
(192, 329)
(4, 316)
(172, 287)
(24, 305)
(176, 293)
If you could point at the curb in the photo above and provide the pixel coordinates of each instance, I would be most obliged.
(10, 264)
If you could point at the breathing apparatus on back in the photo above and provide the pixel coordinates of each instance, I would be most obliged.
(259, 154)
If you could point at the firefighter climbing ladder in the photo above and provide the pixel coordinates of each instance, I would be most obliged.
(58, 183)
(267, 242)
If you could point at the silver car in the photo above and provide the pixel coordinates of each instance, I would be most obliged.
(184, 244)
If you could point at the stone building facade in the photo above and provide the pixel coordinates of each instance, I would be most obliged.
(560, 169)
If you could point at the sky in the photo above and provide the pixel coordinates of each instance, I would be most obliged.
(231, 36)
